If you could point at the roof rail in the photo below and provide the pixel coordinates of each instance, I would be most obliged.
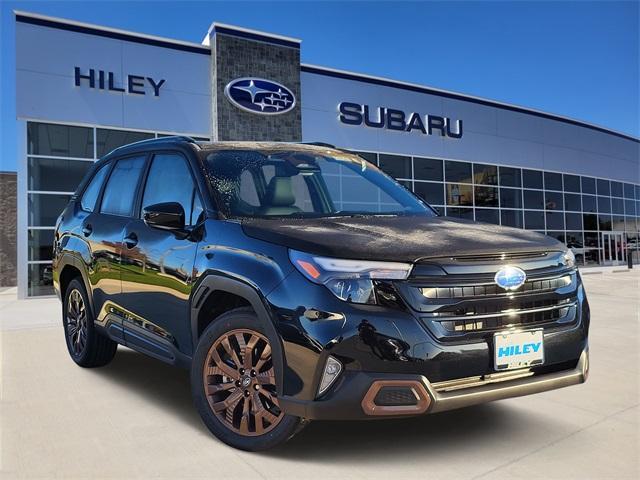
(160, 141)
(318, 144)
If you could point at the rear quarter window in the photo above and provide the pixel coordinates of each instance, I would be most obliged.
(90, 195)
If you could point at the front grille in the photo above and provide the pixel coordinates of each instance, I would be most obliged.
(499, 321)
(485, 290)
(470, 305)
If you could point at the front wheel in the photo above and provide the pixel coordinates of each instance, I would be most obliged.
(233, 383)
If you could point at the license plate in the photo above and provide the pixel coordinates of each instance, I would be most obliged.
(518, 349)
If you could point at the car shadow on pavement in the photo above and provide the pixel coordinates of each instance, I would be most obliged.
(165, 385)
(396, 439)
(168, 387)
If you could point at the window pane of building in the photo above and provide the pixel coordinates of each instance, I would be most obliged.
(59, 140)
(485, 174)
(629, 207)
(588, 185)
(459, 194)
(628, 190)
(531, 179)
(512, 218)
(555, 221)
(53, 175)
(534, 220)
(616, 189)
(510, 177)
(590, 221)
(107, 140)
(553, 201)
(488, 215)
(589, 203)
(397, 166)
(432, 193)
(617, 223)
(40, 244)
(573, 221)
(39, 279)
(45, 208)
(510, 198)
(617, 206)
(572, 202)
(576, 244)
(604, 204)
(557, 235)
(369, 157)
(486, 196)
(533, 199)
(466, 213)
(571, 183)
(603, 187)
(552, 181)
(427, 169)
(604, 222)
(591, 248)
(457, 171)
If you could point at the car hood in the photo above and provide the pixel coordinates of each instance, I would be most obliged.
(395, 238)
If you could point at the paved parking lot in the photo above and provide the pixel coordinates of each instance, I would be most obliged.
(134, 418)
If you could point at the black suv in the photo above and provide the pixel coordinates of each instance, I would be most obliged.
(299, 282)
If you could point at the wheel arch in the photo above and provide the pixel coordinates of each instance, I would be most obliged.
(70, 267)
(212, 285)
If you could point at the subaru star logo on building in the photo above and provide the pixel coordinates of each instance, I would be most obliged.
(510, 278)
(260, 96)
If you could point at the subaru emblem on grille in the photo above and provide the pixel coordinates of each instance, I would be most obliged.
(510, 278)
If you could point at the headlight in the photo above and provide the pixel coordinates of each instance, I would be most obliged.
(569, 259)
(349, 280)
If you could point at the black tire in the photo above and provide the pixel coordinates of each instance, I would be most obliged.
(227, 326)
(86, 346)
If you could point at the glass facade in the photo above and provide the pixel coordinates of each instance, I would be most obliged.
(58, 156)
(597, 218)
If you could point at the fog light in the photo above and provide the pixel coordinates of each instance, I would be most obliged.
(331, 372)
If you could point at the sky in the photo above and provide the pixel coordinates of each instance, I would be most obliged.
(578, 59)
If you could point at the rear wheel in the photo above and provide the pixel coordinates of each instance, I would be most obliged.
(234, 384)
(86, 346)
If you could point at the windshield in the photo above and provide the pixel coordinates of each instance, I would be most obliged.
(278, 183)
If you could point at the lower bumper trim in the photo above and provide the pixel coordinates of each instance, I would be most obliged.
(442, 401)
(355, 397)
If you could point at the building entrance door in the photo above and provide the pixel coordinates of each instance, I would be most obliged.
(614, 248)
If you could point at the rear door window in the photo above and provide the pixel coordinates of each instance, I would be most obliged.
(120, 193)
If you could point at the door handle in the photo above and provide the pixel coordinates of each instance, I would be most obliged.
(87, 229)
(131, 240)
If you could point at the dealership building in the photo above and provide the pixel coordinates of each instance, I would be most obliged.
(83, 90)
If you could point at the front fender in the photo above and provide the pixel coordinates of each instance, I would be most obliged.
(216, 282)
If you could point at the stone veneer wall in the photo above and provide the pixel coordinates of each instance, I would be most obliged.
(235, 57)
(8, 220)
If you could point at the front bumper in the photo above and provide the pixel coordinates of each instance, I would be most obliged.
(355, 397)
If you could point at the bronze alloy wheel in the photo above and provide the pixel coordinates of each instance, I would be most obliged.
(240, 383)
(76, 322)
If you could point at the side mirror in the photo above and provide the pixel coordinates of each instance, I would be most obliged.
(164, 216)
